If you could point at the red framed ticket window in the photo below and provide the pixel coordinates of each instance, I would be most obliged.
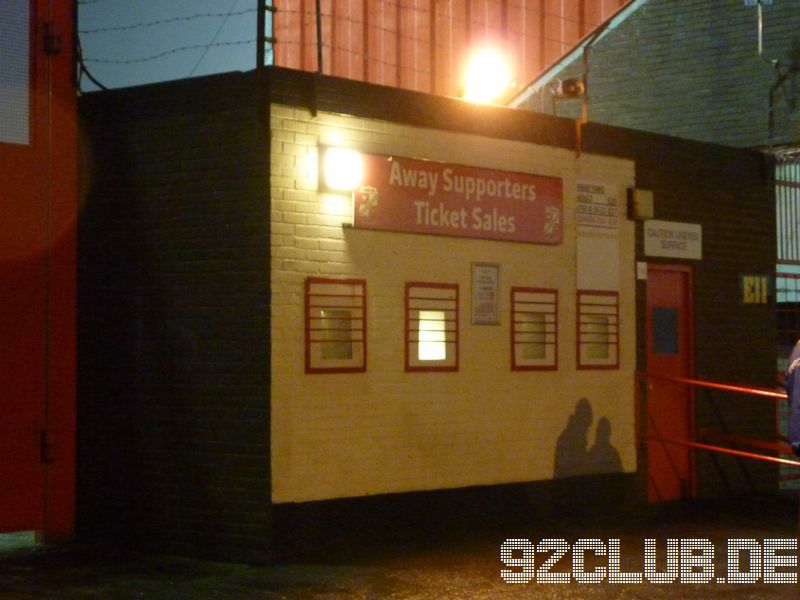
(534, 329)
(598, 329)
(431, 336)
(336, 325)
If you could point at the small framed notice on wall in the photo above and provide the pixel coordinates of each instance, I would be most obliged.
(485, 294)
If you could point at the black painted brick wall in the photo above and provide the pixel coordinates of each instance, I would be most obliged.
(174, 318)
(728, 192)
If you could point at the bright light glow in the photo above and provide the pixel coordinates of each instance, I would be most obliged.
(343, 169)
(312, 165)
(338, 205)
(432, 334)
(487, 77)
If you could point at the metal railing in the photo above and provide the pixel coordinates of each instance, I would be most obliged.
(709, 440)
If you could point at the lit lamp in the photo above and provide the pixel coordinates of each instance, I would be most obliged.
(487, 77)
(342, 169)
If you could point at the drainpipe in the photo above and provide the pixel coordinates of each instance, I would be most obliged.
(773, 63)
(760, 12)
(584, 118)
(314, 100)
(771, 112)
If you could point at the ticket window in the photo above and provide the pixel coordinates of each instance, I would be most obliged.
(335, 325)
(534, 329)
(598, 330)
(431, 327)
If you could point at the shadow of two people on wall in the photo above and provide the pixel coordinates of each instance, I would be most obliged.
(574, 457)
(588, 481)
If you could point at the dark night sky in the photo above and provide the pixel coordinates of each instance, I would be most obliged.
(130, 42)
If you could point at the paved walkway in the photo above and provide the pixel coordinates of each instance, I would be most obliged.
(459, 564)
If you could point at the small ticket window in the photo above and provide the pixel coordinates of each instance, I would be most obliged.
(598, 330)
(336, 325)
(431, 327)
(432, 335)
(534, 329)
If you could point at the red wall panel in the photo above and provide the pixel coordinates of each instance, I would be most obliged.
(38, 201)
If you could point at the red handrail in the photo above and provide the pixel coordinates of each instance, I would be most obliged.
(783, 461)
(719, 436)
(722, 386)
(755, 391)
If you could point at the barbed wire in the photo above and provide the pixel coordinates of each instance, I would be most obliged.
(213, 40)
(130, 61)
(455, 24)
(448, 23)
(341, 50)
(449, 17)
(293, 12)
(403, 35)
(164, 21)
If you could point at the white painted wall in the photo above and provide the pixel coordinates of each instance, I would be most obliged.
(340, 435)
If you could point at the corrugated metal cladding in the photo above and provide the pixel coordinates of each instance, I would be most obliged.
(787, 192)
(422, 44)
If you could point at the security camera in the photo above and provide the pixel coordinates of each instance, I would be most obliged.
(573, 88)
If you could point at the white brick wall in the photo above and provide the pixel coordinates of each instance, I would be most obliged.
(386, 430)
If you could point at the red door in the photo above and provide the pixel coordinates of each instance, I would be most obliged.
(669, 404)
(37, 268)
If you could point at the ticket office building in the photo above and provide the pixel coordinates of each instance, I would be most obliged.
(436, 326)
(319, 290)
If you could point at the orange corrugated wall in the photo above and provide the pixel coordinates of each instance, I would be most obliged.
(422, 44)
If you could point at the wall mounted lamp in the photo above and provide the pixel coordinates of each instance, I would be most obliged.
(342, 169)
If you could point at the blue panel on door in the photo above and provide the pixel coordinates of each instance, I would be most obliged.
(665, 330)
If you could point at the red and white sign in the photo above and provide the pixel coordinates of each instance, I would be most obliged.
(420, 196)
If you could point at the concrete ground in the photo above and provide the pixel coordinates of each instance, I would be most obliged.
(463, 563)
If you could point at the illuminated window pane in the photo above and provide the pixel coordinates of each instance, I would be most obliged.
(532, 330)
(432, 343)
(598, 329)
(431, 327)
(597, 337)
(337, 326)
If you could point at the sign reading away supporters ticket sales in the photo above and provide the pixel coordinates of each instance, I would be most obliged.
(420, 196)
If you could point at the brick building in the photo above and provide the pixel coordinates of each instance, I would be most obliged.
(700, 70)
(258, 350)
(687, 69)
(723, 72)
